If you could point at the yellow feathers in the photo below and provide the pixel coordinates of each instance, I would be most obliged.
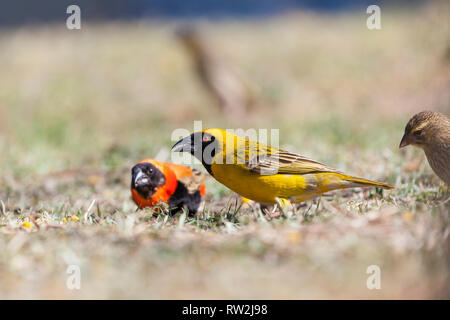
(263, 173)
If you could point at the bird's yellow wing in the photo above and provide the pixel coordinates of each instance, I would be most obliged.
(284, 162)
(266, 160)
(277, 161)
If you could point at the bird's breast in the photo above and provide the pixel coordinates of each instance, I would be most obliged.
(261, 188)
(439, 161)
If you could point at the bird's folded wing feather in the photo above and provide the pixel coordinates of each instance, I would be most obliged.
(194, 181)
(284, 162)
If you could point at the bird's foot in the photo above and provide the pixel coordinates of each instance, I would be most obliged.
(286, 207)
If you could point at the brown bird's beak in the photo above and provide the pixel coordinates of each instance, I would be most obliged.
(405, 141)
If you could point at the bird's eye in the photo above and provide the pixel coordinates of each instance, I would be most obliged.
(206, 139)
(417, 132)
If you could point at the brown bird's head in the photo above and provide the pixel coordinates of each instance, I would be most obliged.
(422, 129)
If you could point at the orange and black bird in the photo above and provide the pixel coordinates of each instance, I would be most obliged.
(153, 181)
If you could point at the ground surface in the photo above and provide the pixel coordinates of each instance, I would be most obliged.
(79, 108)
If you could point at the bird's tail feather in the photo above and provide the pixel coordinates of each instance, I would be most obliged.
(360, 182)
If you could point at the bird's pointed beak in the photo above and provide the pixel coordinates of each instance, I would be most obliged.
(405, 141)
(184, 145)
(140, 179)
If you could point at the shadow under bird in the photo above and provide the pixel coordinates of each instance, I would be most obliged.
(430, 131)
(262, 173)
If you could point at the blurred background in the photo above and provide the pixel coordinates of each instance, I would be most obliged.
(78, 108)
(22, 12)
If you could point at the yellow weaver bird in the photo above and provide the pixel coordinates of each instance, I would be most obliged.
(262, 173)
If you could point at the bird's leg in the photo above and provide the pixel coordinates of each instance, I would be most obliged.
(250, 204)
(285, 205)
(246, 201)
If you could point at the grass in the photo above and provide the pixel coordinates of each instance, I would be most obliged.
(79, 108)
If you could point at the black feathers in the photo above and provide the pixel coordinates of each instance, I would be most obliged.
(182, 197)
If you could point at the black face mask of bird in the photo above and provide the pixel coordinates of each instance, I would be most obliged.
(201, 145)
(146, 178)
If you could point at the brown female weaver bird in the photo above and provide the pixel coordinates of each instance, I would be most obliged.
(154, 181)
(263, 173)
(430, 131)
